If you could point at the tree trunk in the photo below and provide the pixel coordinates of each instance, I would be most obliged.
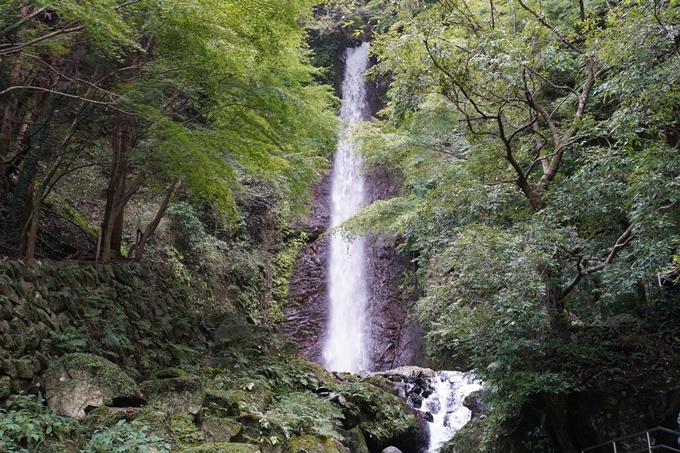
(120, 201)
(6, 129)
(558, 419)
(151, 227)
(115, 189)
(117, 227)
(20, 202)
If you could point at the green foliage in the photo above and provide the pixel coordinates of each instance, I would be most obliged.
(70, 340)
(186, 225)
(283, 265)
(25, 424)
(125, 437)
(184, 429)
(382, 415)
(304, 413)
(540, 167)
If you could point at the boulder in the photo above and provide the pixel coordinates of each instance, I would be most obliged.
(5, 387)
(355, 440)
(77, 382)
(220, 429)
(175, 395)
(223, 403)
(474, 402)
(391, 450)
(315, 444)
(380, 382)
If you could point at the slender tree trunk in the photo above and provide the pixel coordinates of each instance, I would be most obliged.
(37, 205)
(32, 235)
(6, 130)
(26, 219)
(117, 227)
(115, 189)
(151, 227)
(120, 201)
(20, 203)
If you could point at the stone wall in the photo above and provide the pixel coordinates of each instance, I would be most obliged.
(137, 315)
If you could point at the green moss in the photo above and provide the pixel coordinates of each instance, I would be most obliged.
(314, 444)
(356, 441)
(167, 373)
(224, 403)
(380, 415)
(185, 431)
(380, 382)
(223, 447)
(220, 429)
(175, 395)
(158, 420)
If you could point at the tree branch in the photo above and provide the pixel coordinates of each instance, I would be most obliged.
(21, 21)
(20, 47)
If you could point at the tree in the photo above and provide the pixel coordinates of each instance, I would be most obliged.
(539, 162)
(203, 92)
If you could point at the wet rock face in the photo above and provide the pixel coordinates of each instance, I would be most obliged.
(306, 317)
(397, 339)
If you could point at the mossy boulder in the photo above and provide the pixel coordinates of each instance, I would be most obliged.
(253, 396)
(315, 444)
(220, 429)
(355, 440)
(5, 387)
(380, 382)
(224, 403)
(78, 381)
(175, 395)
(167, 373)
(223, 447)
(158, 420)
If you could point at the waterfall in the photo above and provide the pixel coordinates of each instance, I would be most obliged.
(348, 341)
(449, 389)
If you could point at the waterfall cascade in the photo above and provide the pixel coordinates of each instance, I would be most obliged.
(348, 340)
(449, 389)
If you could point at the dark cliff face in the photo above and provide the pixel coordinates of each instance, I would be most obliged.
(397, 339)
(306, 316)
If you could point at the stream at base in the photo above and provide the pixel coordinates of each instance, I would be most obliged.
(449, 389)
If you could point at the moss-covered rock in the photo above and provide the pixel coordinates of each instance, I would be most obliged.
(315, 444)
(158, 420)
(176, 395)
(356, 441)
(253, 396)
(380, 382)
(223, 447)
(220, 429)
(5, 387)
(78, 381)
(224, 403)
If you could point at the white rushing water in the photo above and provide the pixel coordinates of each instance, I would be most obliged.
(446, 405)
(347, 341)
